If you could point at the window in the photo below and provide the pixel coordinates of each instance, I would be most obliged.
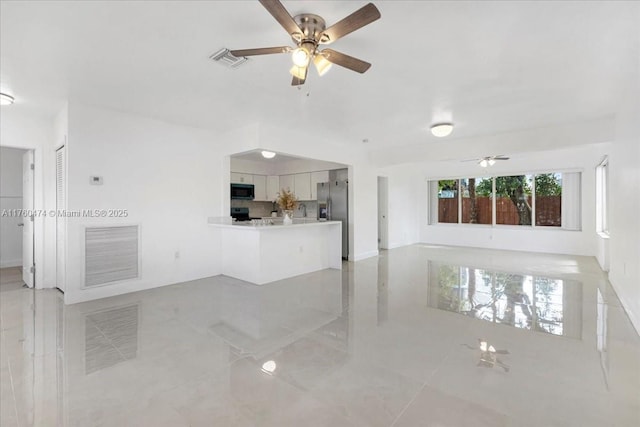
(548, 192)
(602, 197)
(448, 201)
(477, 205)
(542, 200)
(513, 200)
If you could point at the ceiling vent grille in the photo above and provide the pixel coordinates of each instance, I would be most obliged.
(224, 57)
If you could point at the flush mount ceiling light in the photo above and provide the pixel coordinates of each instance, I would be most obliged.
(6, 99)
(309, 32)
(268, 154)
(442, 129)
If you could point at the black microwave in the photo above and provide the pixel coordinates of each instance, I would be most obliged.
(242, 191)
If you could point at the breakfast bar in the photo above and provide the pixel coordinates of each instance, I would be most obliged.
(265, 253)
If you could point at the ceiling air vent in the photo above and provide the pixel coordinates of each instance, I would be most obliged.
(224, 57)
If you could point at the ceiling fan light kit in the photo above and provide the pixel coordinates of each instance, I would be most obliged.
(441, 130)
(308, 32)
(490, 160)
(268, 154)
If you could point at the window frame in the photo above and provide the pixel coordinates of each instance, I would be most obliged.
(435, 221)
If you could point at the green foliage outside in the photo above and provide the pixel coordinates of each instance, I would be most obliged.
(447, 184)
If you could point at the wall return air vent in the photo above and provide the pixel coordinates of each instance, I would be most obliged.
(224, 57)
(112, 254)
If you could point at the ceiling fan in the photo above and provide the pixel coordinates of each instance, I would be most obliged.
(488, 160)
(308, 32)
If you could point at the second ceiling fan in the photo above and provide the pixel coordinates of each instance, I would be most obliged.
(308, 32)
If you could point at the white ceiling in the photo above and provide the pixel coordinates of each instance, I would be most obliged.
(490, 67)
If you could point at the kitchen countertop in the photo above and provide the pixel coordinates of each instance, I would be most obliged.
(246, 225)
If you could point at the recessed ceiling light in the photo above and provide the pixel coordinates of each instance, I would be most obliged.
(441, 129)
(6, 99)
(268, 154)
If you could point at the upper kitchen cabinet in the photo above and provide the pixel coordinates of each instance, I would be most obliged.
(273, 187)
(317, 178)
(241, 178)
(303, 186)
(287, 182)
(260, 188)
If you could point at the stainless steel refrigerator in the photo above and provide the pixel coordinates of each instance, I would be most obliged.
(333, 205)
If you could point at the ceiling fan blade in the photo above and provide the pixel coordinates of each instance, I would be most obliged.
(260, 51)
(355, 21)
(346, 61)
(500, 158)
(277, 10)
(298, 81)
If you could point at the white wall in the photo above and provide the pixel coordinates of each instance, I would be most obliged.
(10, 198)
(20, 129)
(267, 167)
(624, 188)
(168, 179)
(408, 189)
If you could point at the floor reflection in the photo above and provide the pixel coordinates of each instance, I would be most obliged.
(537, 303)
(111, 337)
(376, 344)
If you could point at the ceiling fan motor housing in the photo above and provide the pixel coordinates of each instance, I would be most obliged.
(312, 27)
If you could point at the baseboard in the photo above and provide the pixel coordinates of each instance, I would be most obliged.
(365, 255)
(11, 263)
(633, 311)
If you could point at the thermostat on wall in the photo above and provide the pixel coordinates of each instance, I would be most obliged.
(95, 180)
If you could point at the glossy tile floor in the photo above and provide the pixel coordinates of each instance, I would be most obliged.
(420, 336)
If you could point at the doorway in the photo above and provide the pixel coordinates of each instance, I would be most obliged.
(17, 221)
(383, 212)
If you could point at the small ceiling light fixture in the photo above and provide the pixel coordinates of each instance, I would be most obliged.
(492, 161)
(484, 163)
(268, 154)
(302, 55)
(6, 99)
(322, 64)
(442, 129)
(298, 72)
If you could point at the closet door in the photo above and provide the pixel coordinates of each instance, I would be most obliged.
(61, 225)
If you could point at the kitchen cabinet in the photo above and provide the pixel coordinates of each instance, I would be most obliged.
(302, 183)
(241, 178)
(273, 187)
(287, 182)
(317, 178)
(260, 188)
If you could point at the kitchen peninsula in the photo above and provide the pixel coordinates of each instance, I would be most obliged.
(263, 254)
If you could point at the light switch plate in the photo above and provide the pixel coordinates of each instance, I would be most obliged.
(95, 180)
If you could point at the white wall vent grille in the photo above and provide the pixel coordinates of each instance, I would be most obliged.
(224, 56)
(111, 254)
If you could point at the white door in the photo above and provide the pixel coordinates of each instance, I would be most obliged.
(61, 204)
(383, 208)
(27, 230)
